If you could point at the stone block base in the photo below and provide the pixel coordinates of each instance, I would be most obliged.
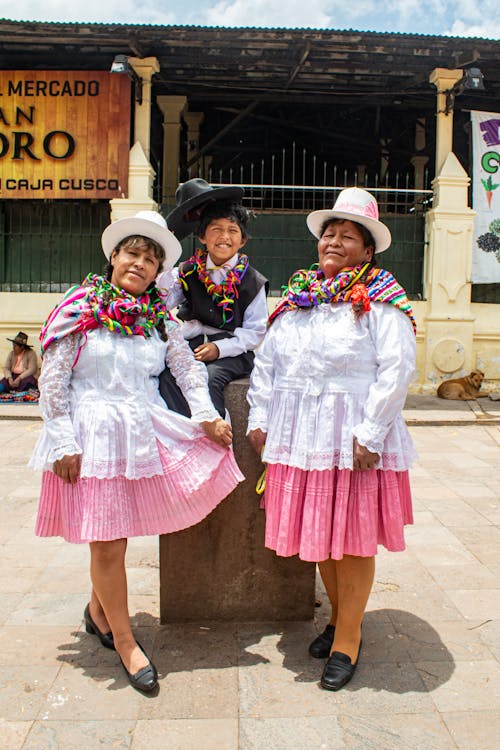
(220, 569)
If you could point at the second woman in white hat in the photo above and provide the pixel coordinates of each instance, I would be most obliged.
(326, 394)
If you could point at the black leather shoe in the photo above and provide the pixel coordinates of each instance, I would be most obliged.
(321, 646)
(146, 679)
(90, 626)
(338, 671)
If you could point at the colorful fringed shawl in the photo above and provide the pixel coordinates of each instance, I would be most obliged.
(98, 303)
(359, 285)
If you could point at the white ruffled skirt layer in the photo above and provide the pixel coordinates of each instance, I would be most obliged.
(120, 437)
(315, 432)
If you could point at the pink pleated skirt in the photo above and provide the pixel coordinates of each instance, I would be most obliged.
(96, 509)
(328, 514)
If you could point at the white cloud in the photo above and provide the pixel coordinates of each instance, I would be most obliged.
(294, 13)
(91, 11)
(463, 28)
(455, 17)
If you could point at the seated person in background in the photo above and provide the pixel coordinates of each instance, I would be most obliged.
(221, 297)
(21, 366)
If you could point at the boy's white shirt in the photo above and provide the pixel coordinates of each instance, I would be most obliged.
(243, 339)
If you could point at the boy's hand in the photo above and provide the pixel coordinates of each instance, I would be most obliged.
(206, 352)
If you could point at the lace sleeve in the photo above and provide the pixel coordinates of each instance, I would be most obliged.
(170, 288)
(191, 376)
(396, 351)
(54, 396)
(261, 382)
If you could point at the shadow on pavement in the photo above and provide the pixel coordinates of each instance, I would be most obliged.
(401, 652)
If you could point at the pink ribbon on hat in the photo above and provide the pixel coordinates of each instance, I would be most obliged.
(369, 210)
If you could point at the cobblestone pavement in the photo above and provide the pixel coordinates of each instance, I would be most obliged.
(429, 676)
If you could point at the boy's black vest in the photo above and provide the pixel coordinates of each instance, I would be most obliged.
(199, 305)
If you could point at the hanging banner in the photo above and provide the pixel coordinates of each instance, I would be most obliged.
(486, 197)
(64, 134)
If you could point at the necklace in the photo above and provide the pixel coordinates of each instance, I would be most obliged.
(119, 311)
(225, 294)
(359, 285)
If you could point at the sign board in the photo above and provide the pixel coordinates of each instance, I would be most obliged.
(486, 197)
(64, 134)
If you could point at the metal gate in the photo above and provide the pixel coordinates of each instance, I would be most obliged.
(46, 246)
(280, 242)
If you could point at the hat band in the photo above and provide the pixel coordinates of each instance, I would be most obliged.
(370, 211)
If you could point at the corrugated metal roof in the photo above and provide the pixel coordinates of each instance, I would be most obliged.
(313, 29)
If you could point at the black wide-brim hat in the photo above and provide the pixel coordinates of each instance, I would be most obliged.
(21, 339)
(193, 194)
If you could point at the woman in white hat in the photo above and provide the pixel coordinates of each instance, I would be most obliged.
(326, 395)
(117, 463)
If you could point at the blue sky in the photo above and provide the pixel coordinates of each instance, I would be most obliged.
(444, 17)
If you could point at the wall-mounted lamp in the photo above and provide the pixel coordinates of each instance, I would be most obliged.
(122, 65)
(472, 79)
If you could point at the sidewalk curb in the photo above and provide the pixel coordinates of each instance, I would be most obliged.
(485, 421)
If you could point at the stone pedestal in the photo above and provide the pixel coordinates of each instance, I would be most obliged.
(220, 569)
(140, 187)
(449, 321)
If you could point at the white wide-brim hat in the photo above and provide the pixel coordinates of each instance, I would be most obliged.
(149, 224)
(358, 205)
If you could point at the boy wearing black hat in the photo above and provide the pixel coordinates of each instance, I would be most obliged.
(220, 297)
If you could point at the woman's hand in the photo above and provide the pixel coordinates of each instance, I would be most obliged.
(257, 439)
(68, 468)
(219, 431)
(10, 381)
(208, 352)
(362, 458)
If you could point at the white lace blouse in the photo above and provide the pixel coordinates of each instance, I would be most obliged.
(323, 377)
(108, 407)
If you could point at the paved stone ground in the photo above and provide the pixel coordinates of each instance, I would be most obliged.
(429, 677)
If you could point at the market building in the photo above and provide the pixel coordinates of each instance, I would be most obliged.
(293, 115)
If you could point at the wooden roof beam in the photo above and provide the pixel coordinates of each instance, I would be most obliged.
(305, 54)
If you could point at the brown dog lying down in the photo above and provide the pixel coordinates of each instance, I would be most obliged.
(462, 389)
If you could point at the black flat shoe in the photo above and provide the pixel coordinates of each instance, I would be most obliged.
(338, 670)
(321, 646)
(146, 679)
(90, 626)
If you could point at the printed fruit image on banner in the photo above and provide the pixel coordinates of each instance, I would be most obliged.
(486, 197)
(490, 242)
(64, 134)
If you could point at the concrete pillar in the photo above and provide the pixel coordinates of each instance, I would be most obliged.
(419, 161)
(444, 79)
(220, 569)
(145, 68)
(206, 161)
(360, 174)
(140, 187)
(419, 164)
(172, 108)
(449, 321)
(193, 121)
